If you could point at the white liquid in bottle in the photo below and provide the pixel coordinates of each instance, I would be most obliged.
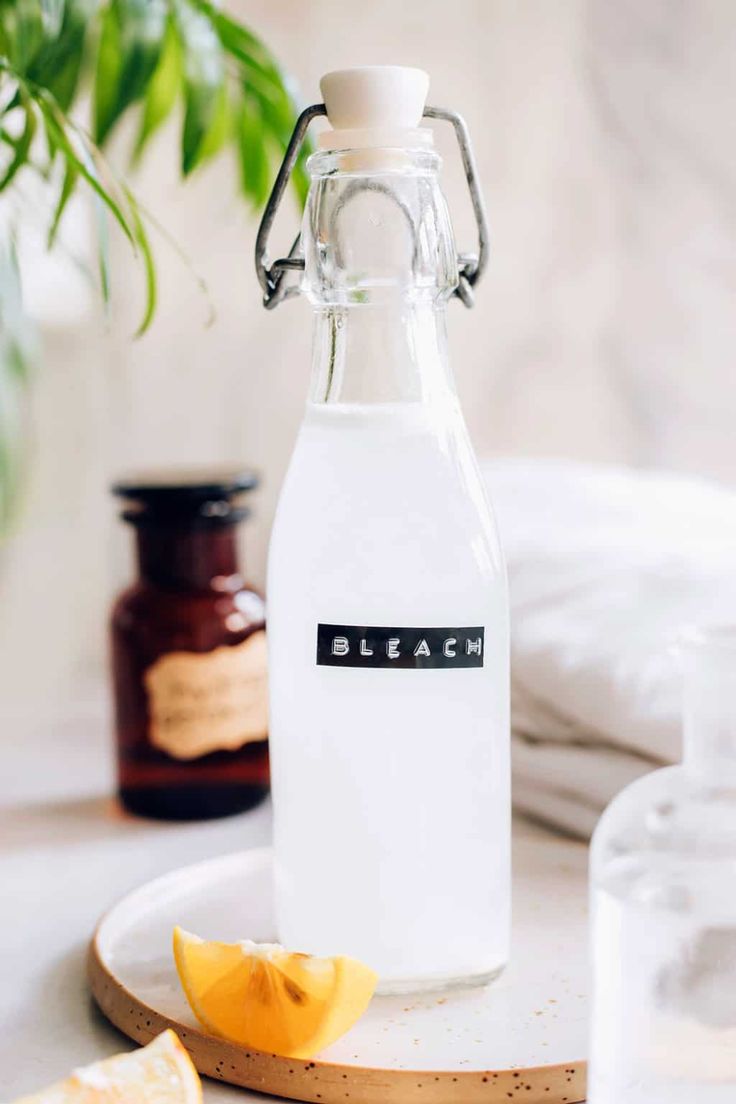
(389, 747)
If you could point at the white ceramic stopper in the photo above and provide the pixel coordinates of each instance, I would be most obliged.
(372, 104)
(375, 96)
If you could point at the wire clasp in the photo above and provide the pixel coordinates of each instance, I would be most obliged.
(271, 276)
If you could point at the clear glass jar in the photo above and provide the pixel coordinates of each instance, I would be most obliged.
(663, 886)
(388, 621)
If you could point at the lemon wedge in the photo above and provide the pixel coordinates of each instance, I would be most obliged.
(260, 995)
(160, 1073)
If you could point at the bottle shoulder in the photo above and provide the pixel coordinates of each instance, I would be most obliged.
(668, 812)
(407, 462)
(142, 605)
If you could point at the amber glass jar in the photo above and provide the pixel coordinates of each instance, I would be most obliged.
(189, 653)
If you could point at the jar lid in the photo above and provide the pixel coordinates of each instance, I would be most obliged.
(191, 496)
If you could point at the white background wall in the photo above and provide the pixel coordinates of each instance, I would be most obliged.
(605, 330)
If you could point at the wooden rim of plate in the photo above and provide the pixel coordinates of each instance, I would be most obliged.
(322, 1082)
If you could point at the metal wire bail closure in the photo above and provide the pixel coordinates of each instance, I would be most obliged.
(271, 277)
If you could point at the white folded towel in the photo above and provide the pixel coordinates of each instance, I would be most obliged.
(607, 566)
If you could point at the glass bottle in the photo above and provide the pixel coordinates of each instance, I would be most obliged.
(189, 653)
(663, 884)
(388, 620)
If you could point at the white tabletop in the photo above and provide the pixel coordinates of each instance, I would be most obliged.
(66, 854)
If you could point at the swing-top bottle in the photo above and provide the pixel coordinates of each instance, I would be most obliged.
(388, 621)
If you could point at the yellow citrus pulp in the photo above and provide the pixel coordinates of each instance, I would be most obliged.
(260, 995)
(160, 1073)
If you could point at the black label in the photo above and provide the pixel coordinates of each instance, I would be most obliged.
(413, 649)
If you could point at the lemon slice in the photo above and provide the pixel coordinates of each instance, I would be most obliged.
(160, 1073)
(260, 995)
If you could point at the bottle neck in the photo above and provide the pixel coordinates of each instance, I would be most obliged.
(380, 265)
(180, 557)
(709, 712)
(389, 350)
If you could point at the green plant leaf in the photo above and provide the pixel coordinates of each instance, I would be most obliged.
(149, 266)
(146, 52)
(107, 76)
(18, 354)
(163, 89)
(126, 214)
(71, 176)
(244, 45)
(203, 77)
(268, 96)
(300, 177)
(23, 31)
(129, 51)
(261, 75)
(103, 251)
(60, 141)
(255, 168)
(23, 144)
(58, 64)
(220, 128)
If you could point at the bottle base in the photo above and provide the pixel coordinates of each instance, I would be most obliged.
(442, 983)
(191, 802)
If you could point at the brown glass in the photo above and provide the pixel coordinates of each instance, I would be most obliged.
(189, 597)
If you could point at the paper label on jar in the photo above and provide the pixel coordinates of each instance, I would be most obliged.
(200, 702)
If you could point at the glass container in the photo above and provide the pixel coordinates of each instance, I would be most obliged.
(663, 885)
(388, 618)
(189, 653)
